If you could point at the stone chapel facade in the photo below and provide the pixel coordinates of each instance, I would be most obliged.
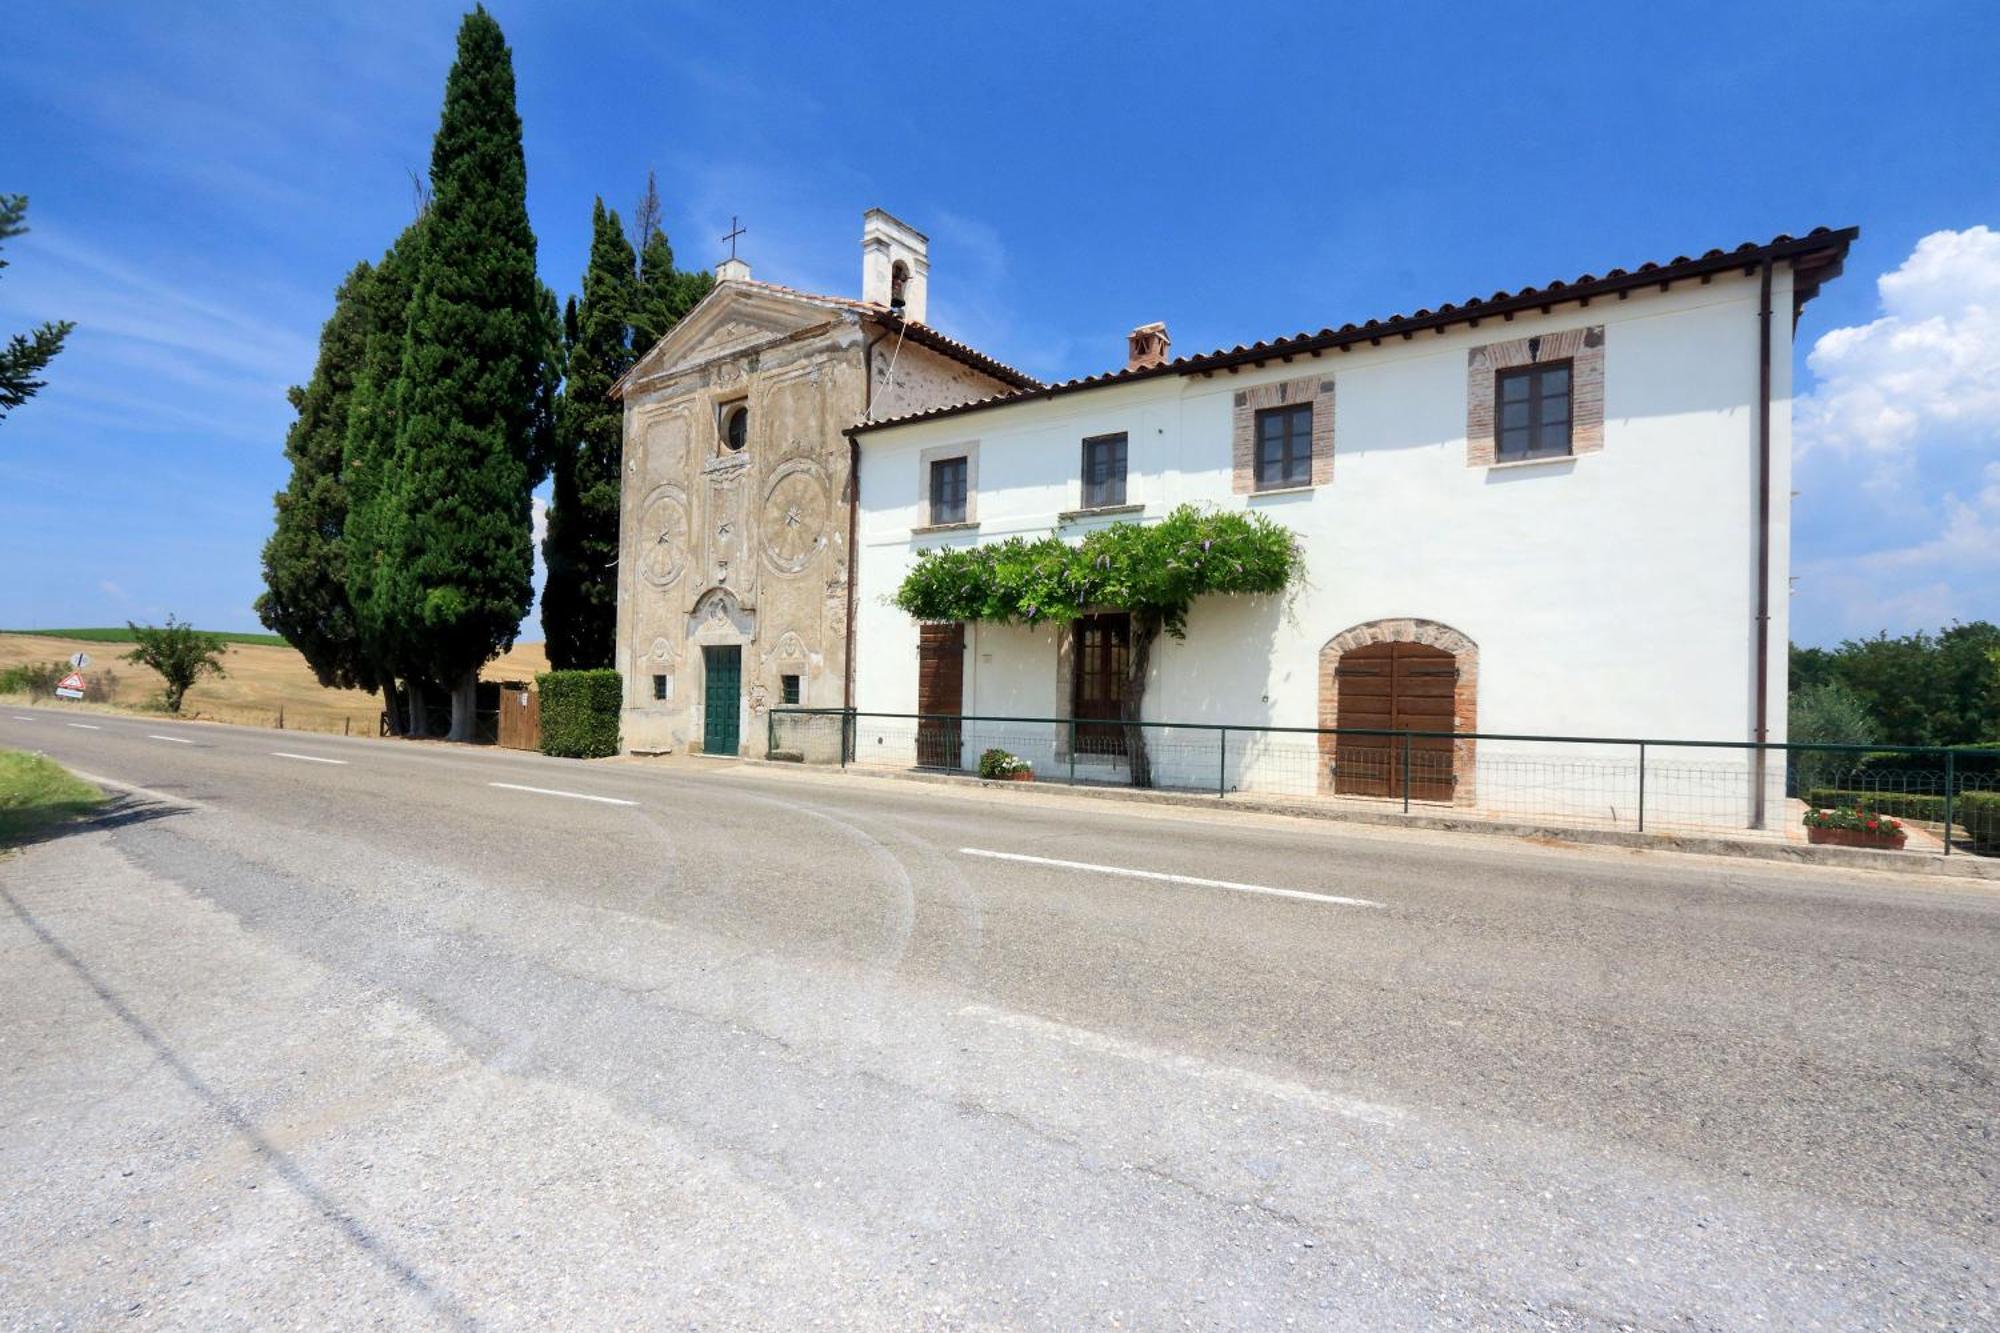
(735, 523)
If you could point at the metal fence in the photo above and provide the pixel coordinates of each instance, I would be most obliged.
(1732, 788)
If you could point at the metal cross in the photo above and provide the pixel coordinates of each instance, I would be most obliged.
(734, 232)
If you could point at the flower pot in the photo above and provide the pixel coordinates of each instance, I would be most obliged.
(1854, 837)
(1025, 775)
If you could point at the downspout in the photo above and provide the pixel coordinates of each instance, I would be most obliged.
(1762, 733)
(854, 511)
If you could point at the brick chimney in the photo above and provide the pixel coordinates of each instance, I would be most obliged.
(1146, 346)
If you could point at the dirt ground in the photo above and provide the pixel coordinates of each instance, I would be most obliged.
(262, 682)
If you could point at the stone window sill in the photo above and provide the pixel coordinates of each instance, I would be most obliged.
(1283, 490)
(1101, 511)
(944, 527)
(1533, 462)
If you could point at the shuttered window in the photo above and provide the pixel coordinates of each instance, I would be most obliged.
(1103, 471)
(948, 479)
(1533, 406)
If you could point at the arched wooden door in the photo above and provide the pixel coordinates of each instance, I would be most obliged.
(1396, 687)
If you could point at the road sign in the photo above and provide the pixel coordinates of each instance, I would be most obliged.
(79, 660)
(70, 686)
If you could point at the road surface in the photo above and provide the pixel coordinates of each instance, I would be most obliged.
(314, 1032)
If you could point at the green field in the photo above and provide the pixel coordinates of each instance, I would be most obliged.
(35, 792)
(120, 634)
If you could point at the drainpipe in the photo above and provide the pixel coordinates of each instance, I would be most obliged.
(854, 512)
(1762, 732)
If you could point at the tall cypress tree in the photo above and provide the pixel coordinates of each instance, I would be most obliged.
(376, 592)
(665, 293)
(305, 560)
(472, 374)
(580, 599)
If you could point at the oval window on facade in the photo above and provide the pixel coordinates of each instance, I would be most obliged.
(736, 427)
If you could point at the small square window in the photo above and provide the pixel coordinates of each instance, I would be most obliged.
(1284, 446)
(1103, 471)
(948, 489)
(1534, 412)
(659, 687)
(788, 689)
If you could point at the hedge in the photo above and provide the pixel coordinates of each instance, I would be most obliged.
(580, 712)
(1977, 812)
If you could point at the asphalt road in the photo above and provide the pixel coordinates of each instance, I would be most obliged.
(317, 1032)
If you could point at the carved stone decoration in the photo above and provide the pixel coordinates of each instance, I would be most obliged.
(719, 618)
(728, 559)
(794, 517)
(791, 648)
(663, 648)
(662, 554)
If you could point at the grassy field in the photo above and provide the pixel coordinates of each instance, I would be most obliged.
(35, 792)
(264, 681)
(119, 634)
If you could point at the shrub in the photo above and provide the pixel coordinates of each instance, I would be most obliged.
(998, 763)
(35, 678)
(1977, 812)
(580, 712)
(181, 654)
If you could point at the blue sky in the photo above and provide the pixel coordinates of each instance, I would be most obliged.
(202, 175)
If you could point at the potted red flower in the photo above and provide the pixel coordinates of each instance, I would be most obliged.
(998, 765)
(1854, 828)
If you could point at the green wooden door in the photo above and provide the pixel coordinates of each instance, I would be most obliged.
(722, 700)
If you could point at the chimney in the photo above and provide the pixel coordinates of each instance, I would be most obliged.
(1146, 347)
(895, 265)
(732, 270)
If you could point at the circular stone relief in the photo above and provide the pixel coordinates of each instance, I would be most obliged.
(794, 517)
(663, 539)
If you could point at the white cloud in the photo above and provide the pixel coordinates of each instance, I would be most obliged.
(1930, 365)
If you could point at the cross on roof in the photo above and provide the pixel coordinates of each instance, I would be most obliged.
(734, 231)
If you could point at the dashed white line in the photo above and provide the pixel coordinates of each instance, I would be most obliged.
(18, 718)
(83, 726)
(1230, 884)
(572, 795)
(177, 740)
(309, 758)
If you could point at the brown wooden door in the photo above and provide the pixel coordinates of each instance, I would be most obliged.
(1396, 687)
(940, 690)
(1097, 683)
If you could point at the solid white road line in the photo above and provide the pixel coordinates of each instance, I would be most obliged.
(18, 718)
(1188, 1066)
(177, 740)
(573, 795)
(83, 726)
(1232, 885)
(309, 758)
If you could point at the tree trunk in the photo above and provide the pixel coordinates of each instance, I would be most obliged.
(392, 709)
(465, 707)
(418, 722)
(1138, 663)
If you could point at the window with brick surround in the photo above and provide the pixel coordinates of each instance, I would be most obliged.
(1284, 446)
(1104, 471)
(948, 489)
(1532, 410)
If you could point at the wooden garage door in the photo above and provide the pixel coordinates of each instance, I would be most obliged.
(1396, 687)
(940, 690)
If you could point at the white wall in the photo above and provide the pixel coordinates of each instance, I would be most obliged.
(1611, 594)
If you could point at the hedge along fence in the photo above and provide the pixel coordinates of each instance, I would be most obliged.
(580, 712)
(1977, 812)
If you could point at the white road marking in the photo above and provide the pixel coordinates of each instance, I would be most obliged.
(83, 726)
(177, 740)
(18, 718)
(309, 758)
(1191, 1066)
(1230, 884)
(116, 785)
(573, 795)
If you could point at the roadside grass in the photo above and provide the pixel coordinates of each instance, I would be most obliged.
(119, 634)
(36, 792)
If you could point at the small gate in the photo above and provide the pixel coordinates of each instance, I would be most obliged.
(520, 718)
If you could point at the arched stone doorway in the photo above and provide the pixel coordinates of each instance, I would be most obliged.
(1401, 674)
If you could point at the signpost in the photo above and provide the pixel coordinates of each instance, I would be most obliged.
(79, 660)
(70, 686)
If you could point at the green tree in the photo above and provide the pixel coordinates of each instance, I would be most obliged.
(26, 355)
(305, 560)
(181, 654)
(379, 595)
(1155, 572)
(665, 293)
(580, 599)
(472, 377)
(1828, 712)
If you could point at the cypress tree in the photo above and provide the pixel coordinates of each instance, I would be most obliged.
(375, 481)
(305, 560)
(25, 355)
(665, 293)
(580, 599)
(471, 379)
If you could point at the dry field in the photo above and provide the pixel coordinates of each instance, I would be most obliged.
(262, 683)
